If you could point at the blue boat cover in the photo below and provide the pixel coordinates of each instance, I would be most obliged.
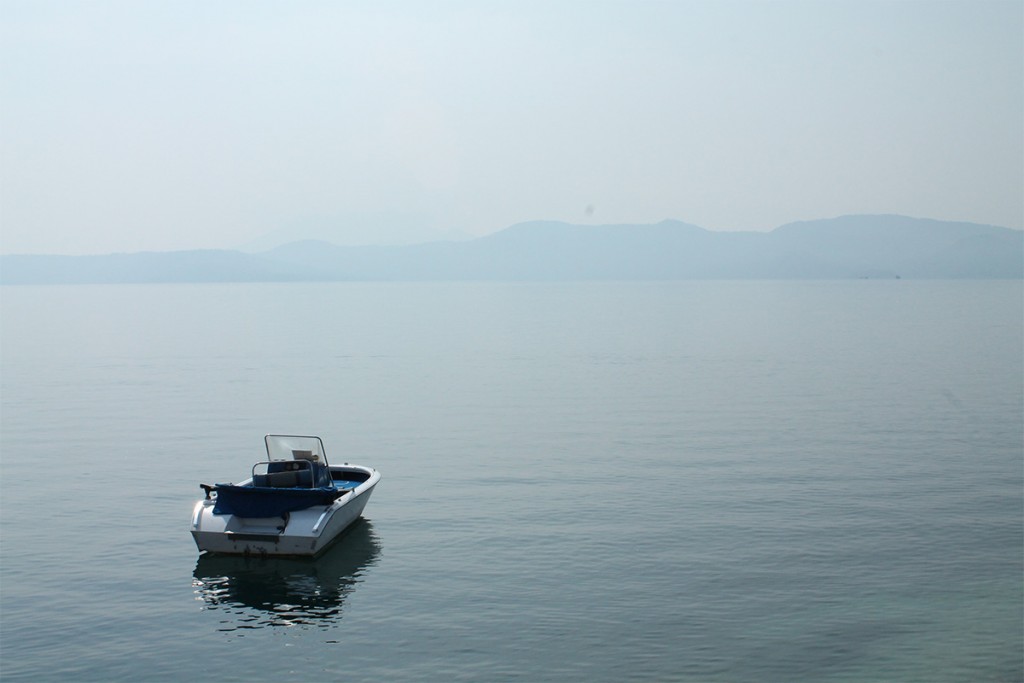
(263, 501)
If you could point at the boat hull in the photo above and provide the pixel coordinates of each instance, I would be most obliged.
(307, 532)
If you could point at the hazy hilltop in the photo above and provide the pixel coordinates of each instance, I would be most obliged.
(868, 246)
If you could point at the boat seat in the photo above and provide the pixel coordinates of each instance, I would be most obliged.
(283, 479)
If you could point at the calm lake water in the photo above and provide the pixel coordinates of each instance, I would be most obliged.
(695, 481)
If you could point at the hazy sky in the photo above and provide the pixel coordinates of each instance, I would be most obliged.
(128, 126)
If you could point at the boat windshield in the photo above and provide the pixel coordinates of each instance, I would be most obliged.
(284, 447)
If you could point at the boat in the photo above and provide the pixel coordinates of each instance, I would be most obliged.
(294, 503)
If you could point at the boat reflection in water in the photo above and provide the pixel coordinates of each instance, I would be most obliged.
(257, 592)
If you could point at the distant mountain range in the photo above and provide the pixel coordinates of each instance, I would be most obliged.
(869, 246)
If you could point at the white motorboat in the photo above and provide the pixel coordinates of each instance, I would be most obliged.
(294, 502)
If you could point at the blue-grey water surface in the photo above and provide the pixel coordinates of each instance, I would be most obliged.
(694, 481)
